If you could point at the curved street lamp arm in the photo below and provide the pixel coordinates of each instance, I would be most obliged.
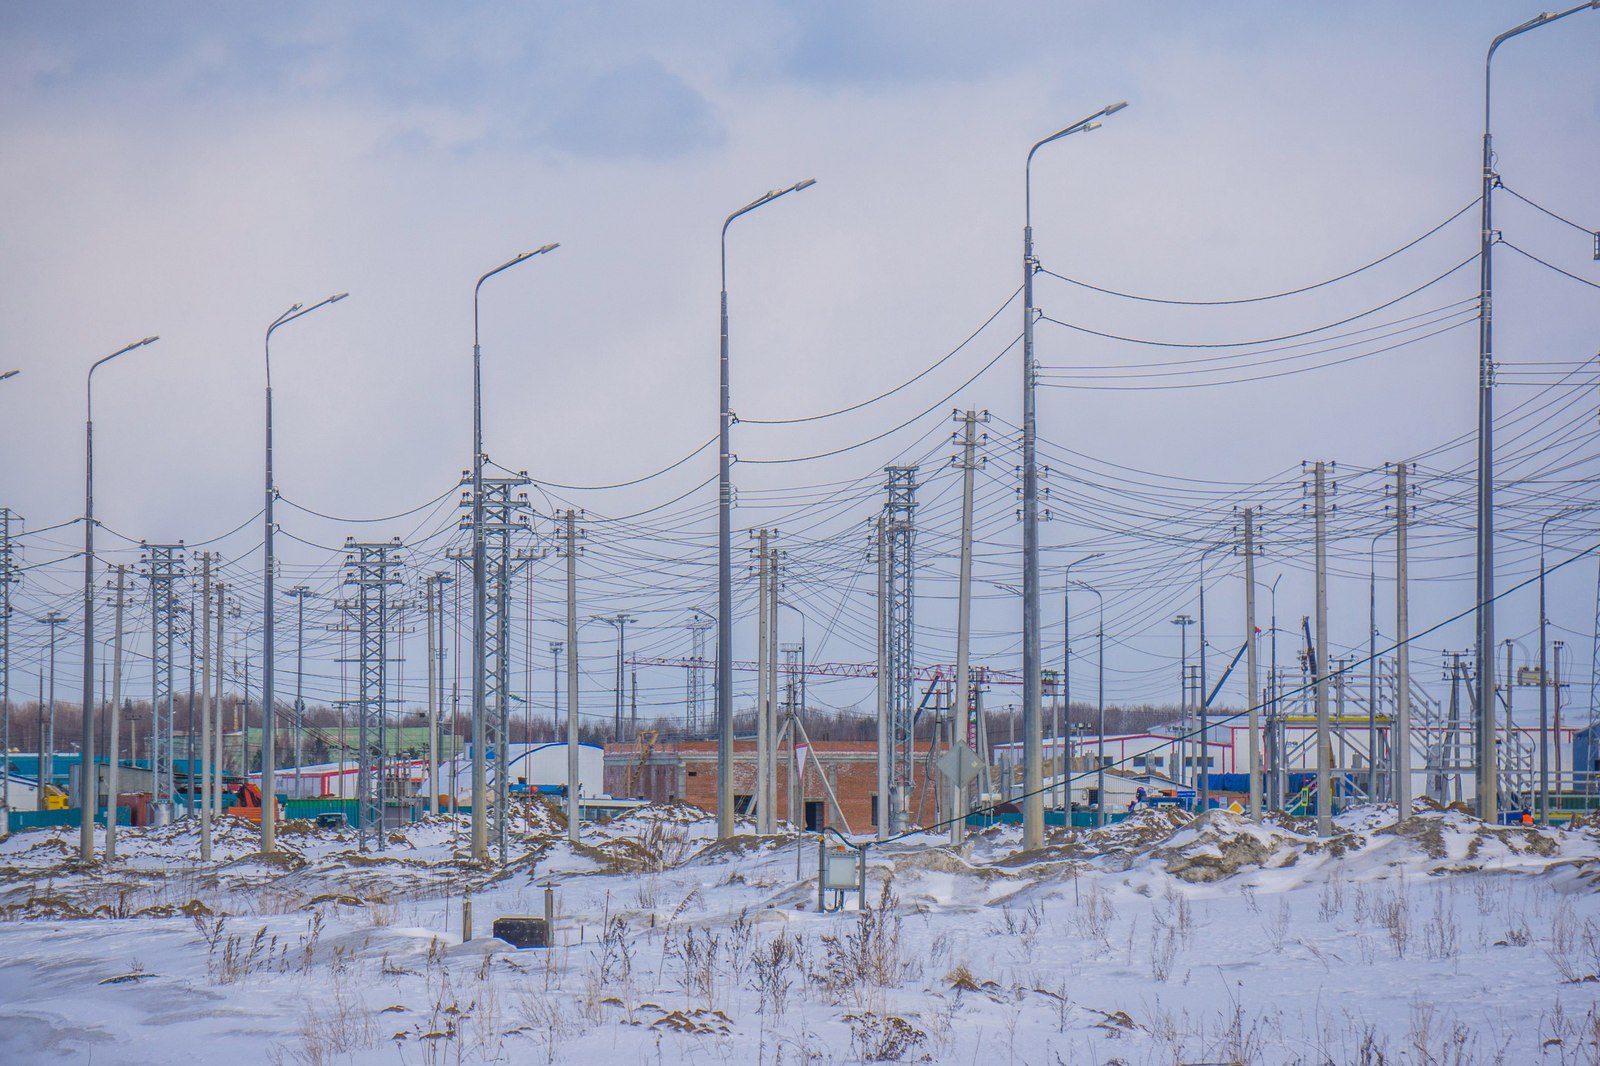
(1083, 125)
(294, 312)
(760, 201)
(88, 379)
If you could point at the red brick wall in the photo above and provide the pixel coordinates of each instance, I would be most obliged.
(687, 772)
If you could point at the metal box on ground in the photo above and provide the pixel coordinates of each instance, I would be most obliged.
(523, 932)
(332, 821)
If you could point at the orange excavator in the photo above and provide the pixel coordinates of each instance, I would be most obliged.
(248, 803)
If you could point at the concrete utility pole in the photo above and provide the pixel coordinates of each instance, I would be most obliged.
(1488, 799)
(1203, 691)
(1556, 648)
(1324, 738)
(724, 680)
(1183, 622)
(569, 523)
(206, 704)
(960, 712)
(1032, 655)
(885, 752)
(216, 759)
(1100, 711)
(47, 741)
(1401, 744)
(1252, 692)
(300, 593)
(556, 647)
(769, 798)
(430, 586)
(763, 715)
(8, 577)
(619, 622)
(1064, 708)
(1545, 738)
(115, 754)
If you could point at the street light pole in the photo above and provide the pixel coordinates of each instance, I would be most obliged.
(88, 778)
(1487, 797)
(1032, 652)
(724, 672)
(480, 580)
(269, 803)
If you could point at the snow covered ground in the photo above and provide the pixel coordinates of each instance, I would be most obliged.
(1161, 940)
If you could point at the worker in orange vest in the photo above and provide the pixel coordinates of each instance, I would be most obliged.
(1527, 816)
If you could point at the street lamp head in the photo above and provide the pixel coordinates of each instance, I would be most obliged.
(1087, 127)
(1114, 108)
(337, 297)
(9, 374)
(147, 340)
(547, 248)
(812, 181)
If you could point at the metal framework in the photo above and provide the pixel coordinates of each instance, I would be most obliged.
(163, 567)
(794, 661)
(900, 531)
(506, 532)
(695, 703)
(372, 568)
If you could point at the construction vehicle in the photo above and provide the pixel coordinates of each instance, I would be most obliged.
(247, 803)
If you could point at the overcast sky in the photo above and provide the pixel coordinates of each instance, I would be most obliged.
(191, 170)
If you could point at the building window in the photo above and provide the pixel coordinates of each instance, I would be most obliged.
(1138, 762)
(874, 808)
(743, 803)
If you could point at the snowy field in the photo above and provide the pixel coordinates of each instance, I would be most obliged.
(1163, 940)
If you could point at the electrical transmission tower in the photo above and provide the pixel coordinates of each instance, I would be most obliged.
(163, 567)
(506, 533)
(372, 568)
(900, 532)
(8, 577)
(694, 709)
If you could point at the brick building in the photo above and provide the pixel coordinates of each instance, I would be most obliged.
(686, 771)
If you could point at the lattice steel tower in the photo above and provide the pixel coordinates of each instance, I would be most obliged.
(900, 531)
(163, 567)
(372, 568)
(694, 716)
(506, 536)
